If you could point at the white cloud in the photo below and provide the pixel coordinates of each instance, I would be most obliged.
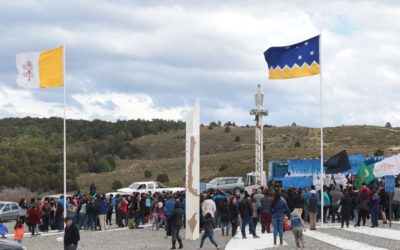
(161, 55)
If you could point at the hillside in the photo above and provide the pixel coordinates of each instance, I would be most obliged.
(165, 152)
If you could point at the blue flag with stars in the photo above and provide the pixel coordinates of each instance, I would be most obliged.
(297, 60)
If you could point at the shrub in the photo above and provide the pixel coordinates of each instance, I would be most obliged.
(116, 185)
(379, 152)
(163, 178)
(388, 125)
(237, 138)
(297, 144)
(148, 174)
(227, 129)
(223, 167)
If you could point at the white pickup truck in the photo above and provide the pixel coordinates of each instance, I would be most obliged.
(149, 186)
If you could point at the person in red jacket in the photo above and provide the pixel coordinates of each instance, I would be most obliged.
(34, 220)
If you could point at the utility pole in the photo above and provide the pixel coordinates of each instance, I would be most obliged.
(259, 112)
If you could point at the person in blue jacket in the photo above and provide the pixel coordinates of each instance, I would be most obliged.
(279, 210)
(3, 230)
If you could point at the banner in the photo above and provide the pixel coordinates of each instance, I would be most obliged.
(193, 172)
(388, 166)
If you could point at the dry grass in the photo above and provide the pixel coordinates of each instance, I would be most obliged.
(15, 194)
(164, 153)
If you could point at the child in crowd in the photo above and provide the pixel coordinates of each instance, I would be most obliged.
(297, 229)
(3, 230)
(19, 231)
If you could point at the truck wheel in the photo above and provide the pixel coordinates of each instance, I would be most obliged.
(236, 191)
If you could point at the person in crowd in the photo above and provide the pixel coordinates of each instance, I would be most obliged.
(220, 195)
(23, 209)
(175, 221)
(71, 235)
(375, 209)
(118, 216)
(246, 213)
(297, 226)
(161, 215)
(266, 204)
(209, 206)
(92, 215)
(208, 231)
(305, 196)
(124, 211)
(313, 209)
(46, 209)
(92, 190)
(384, 204)
(363, 205)
(110, 209)
(136, 210)
(254, 208)
(34, 220)
(336, 197)
(346, 209)
(102, 209)
(142, 213)
(147, 211)
(234, 213)
(19, 231)
(3, 230)
(279, 209)
(354, 197)
(225, 216)
(82, 214)
(298, 203)
(327, 203)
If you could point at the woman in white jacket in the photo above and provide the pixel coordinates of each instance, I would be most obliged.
(208, 206)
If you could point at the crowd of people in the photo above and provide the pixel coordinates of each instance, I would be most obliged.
(275, 209)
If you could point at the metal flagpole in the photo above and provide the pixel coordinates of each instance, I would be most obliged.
(322, 133)
(65, 142)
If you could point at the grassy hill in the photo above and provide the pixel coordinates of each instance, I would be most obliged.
(165, 152)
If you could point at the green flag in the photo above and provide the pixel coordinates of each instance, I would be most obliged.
(365, 175)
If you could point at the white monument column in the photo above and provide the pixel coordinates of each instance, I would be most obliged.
(193, 172)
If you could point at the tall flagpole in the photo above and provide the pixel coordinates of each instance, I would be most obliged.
(322, 133)
(65, 142)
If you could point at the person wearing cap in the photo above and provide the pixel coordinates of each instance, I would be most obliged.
(71, 235)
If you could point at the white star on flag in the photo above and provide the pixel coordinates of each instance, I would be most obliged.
(306, 43)
(311, 53)
(299, 57)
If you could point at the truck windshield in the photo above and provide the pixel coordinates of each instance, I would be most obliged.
(213, 181)
(1, 205)
(134, 185)
(251, 180)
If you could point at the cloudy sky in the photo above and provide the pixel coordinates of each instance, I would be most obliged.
(151, 59)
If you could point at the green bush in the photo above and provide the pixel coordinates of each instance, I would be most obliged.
(163, 178)
(116, 185)
(148, 174)
(237, 138)
(223, 167)
(379, 152)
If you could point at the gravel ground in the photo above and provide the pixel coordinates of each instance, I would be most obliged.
(146, 238)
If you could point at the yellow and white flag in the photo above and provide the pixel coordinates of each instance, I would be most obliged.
(41, 69)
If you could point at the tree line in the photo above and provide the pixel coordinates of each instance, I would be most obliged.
(31, 149)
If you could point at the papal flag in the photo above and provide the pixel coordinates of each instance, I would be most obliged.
(41, 69)
(297, 60)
